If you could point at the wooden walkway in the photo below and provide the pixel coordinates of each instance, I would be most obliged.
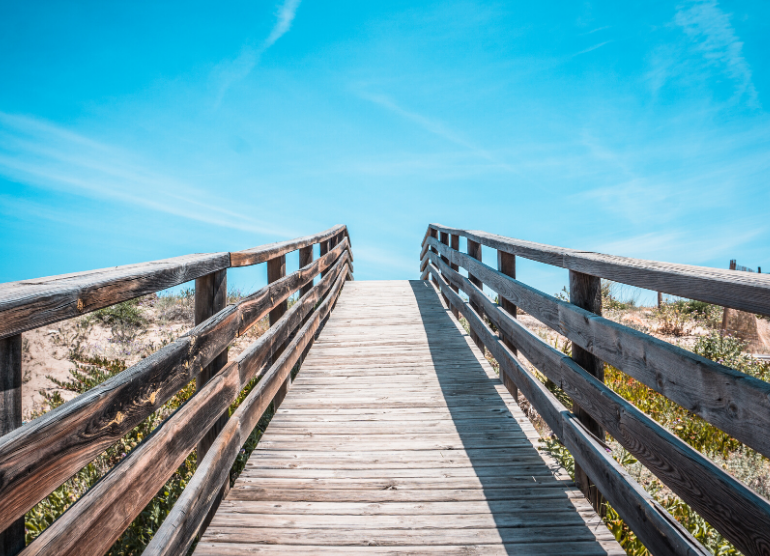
(398, 438)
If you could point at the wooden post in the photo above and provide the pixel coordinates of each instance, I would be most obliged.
(454, 241)
(305, 258)
(506, 263)
(210, 298)
(585, 291)
(12, 539)
(474, 250)
(276, 269)
(434, 233)
(660, 300)
(445, 240)
(323, 249)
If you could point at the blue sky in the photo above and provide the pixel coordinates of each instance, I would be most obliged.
(139, 131)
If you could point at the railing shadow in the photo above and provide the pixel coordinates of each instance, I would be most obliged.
(529, 504)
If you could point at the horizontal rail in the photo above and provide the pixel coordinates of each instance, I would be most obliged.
(264, 253)
(741, 515)
(734, 402)
(185, 519)
(37, 457)
(98, 518)
(662, 534)
(29, 304)
(746, 291)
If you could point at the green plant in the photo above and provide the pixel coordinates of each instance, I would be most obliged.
(673, 320)
(700, 310)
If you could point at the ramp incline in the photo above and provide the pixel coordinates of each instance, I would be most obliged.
(397, 437)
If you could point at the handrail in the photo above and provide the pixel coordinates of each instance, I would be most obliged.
(39, 456)
(732, 401)
(746, 291)
(29, 304)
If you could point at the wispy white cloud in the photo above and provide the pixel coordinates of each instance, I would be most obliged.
(714, 37)
(230, 72)
(437, 128)
(41, 154)
(592, 48)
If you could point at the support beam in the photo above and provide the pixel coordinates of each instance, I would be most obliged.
(12, 539)
(276, 269)
(474, 250)
(506, 263)
(586, 292)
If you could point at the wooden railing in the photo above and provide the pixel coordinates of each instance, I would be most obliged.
(734, 402)
(39, 456)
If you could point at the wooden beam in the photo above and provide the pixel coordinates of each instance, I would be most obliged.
(652, 524)
(735, 510)
(186, 518)
(93, 523)
(586, 292)
(276, 269)
(506, 264)
(38, 457)
(12, 538)
(746, 291)
(305, 258)
(728, 399)
(264, 253)
(29, 304)
(474, 251)
(210, 298)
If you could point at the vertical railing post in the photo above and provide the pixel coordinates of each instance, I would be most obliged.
(454, 241)
(585, 291)
(323, 249)
(474, 250)
(12, 539)
(305, 258)
(445, 240)
(210, 298)
(276, 269)
(506, 263)
(433, 233)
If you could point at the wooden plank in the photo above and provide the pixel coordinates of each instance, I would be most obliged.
(730, 400)
(746, 291)
(264, 253)
(11, 536)
(178, 531)
(653, 525)
(29, 304)
(36, 458)
(305, 258)
(474, 251)
(319, 460)
(736, 511)
(586, 292)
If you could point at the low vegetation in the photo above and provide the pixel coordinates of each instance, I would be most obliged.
(127, 321)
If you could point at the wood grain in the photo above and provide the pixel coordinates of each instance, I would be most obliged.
(360, 448)
(746, 291)
(29, 304)
(264, 253)
(728, 399)
(36, 458)
(651, 523)
(736, 511)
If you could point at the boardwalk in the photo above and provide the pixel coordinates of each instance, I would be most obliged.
(397, 438)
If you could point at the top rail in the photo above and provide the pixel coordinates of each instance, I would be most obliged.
(746, 291)
(29, 304)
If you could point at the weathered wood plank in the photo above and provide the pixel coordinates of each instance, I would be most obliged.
(12, 538)
(178, 531)
(746, 291)
(653, 525)
(29, 304)
(36, 458)
(736, 511)
(264, 253)
(730, 400)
